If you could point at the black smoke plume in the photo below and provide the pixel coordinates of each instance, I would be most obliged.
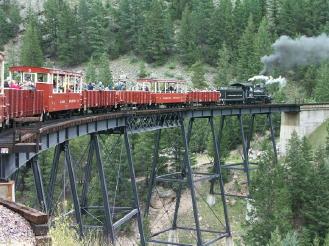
(290, 53)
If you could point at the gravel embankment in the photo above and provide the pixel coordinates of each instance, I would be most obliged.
(14, 229)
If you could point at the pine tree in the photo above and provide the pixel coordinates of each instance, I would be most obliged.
(290, 239)
(201, 22)
(83, 16)
(96, 28)
(142, 71)
(309, 81)
(270, 205)
(224, 70)
(316, 209)
(298, 164)
(91, 72)
(221, 27)
(322, 85)
(50, 28)
(177, 7)
(198, 79)
(130, 20)
(256, 9)
(187, 47)
(31, 52)
(9, 22)
(292, 18)
(69, 38)
(246, 63)
(263, 43)
(104, 72)
(154, 41)
(273, 14)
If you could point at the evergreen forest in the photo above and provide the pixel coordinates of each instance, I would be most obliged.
(231, 36)
(292, 206)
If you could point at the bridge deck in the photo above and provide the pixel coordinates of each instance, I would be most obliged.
(18, 150)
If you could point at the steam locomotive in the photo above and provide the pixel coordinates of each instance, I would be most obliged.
(244, 93)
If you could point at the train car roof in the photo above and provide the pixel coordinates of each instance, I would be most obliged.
(31, 69)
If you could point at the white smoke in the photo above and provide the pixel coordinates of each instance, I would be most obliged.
(270, 80)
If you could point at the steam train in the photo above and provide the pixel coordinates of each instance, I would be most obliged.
(50, 93)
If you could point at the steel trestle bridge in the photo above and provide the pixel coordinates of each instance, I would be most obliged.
(21, 145)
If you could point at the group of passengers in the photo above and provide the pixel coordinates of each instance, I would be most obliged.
(13, 84)
(101, 87)
(95, 86)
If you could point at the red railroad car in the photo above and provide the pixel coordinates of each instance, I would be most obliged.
(165, 91)
(98, 99)
(23, 103)
(108, 99)
(2, 95)
(203, 96)
(133, 98)
(90, 99)
(61, 89)
(2, 109)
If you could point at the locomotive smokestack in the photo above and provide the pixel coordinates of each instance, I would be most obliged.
(290, 53)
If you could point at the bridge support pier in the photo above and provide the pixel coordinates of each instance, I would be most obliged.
(189, 178)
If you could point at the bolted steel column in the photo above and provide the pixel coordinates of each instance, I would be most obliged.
(108, 225)
(251, 131)
(53, 176)
(183, 167)
(245, 151)
(219, 172)
(191, 183)
(220, 134)
(70, 169)
(134, 187)
(270, 121)
(38, 183)
(87, 176)
(153, 171)
(15, 177)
